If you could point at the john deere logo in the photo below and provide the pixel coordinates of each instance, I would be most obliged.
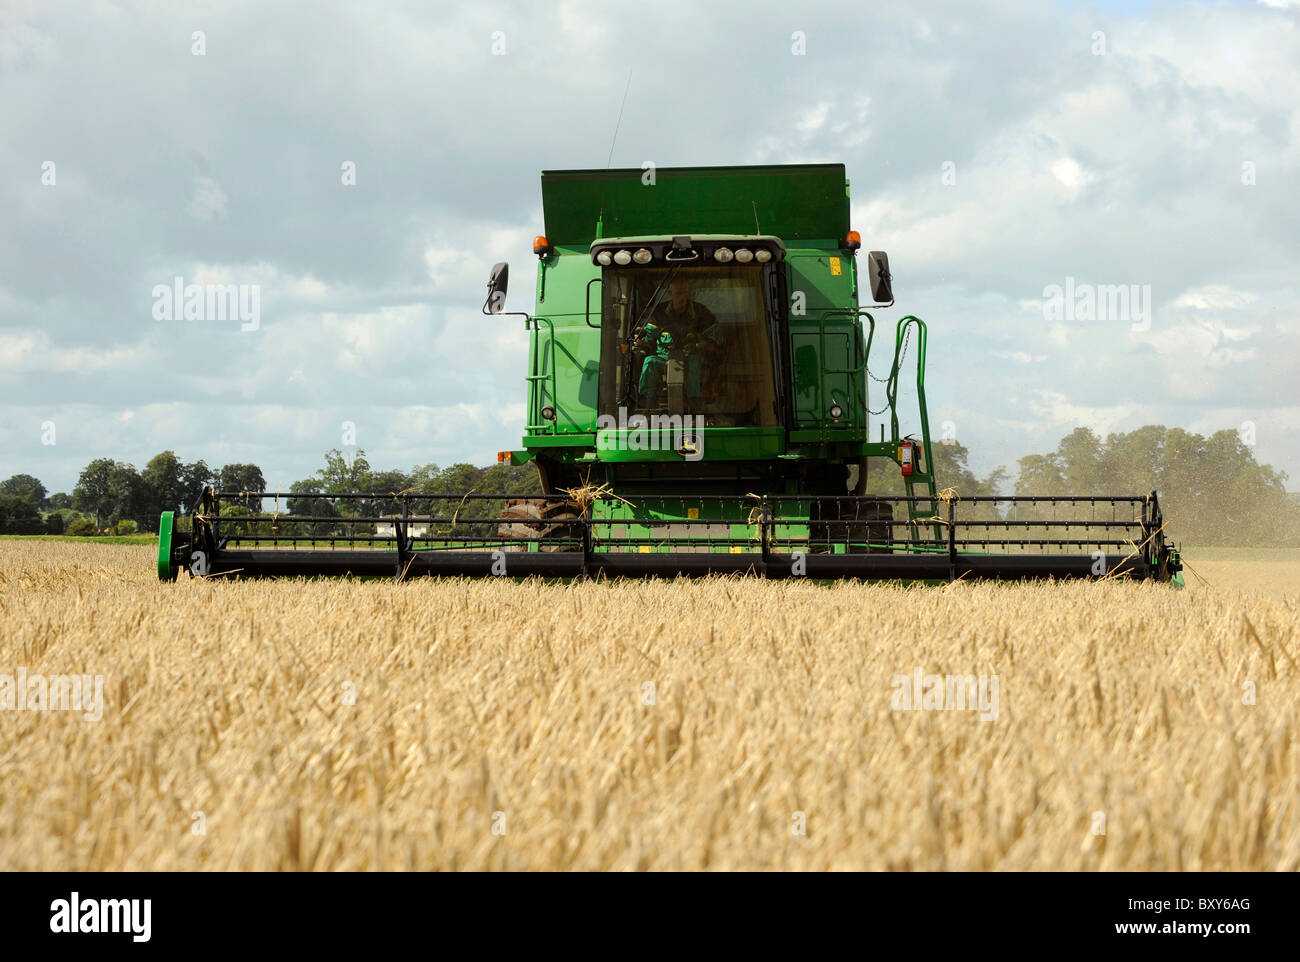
(689, 447)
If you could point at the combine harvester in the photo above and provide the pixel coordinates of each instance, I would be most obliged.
(697, 403)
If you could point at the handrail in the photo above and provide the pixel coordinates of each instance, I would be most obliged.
(892, 391)
(588, 299)
(891, 388)
(853, 372)
(533, 378)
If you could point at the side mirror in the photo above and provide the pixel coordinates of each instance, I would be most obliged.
(878, 278)
(497, 285)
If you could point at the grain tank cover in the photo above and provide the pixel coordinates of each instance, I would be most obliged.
(796, 202)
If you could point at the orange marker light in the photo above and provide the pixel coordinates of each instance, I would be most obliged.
(541, 245)
(503, 456)
(853, 241)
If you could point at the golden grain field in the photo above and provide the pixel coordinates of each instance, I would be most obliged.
(500, 725)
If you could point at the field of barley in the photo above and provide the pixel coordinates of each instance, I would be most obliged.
(675, 725)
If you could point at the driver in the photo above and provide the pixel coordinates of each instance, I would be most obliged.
(697, 333)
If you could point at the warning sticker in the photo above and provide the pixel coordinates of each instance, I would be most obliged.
(835, 267)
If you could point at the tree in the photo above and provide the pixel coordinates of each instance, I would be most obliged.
(19, 516)
(343, 475)
(952, 471)
(110, 490)
(94, 491)
(162, 481)
(24, 486)
(318, 506)
(193, 479)
(127, 491)
(459, 479)
(58, 502)
(454, 482)
(83, 528)
(241, 478)
(385, 484)
(1212, 490)
(1080, 456)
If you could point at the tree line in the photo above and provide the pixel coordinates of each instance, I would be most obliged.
(114, 497)
(1212, 490)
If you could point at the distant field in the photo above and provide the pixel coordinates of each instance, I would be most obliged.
(662, 725)
(1272, 571)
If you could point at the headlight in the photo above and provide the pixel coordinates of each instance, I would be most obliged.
(837, 412)
(604, 259)
(642, 256)
(762, 255)
(622, 257)
(722, 255)
(744, 255)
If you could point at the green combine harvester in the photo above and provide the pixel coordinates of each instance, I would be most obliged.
(697, 403)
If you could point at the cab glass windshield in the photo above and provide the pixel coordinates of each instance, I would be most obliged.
(694, 340)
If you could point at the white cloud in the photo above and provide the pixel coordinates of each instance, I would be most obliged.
(208, 200)
(1214, 297)
(814, 119)
(1070, 173)
(580, 24)
(1057, 409)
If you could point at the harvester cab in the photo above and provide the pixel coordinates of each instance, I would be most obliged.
(698, 401)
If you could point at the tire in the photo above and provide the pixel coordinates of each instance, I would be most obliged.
(854, 524)
(557, 524)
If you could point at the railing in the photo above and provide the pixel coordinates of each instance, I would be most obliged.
(541, 356)
(715, 521)
(597, 533)
(857, 392)
(891, 390)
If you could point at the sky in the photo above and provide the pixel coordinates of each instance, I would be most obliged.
(995, 151)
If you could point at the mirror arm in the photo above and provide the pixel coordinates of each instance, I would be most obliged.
(488, 313)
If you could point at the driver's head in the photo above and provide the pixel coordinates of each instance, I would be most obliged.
(680, 291)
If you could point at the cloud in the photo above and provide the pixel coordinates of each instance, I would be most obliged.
(208, 200)
(1214, 297)
(1069, 172)
(1117, 169)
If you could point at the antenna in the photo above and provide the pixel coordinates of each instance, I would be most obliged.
(619, 122)
(757, 229)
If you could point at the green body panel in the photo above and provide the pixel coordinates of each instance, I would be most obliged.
(718, 444)
(652, 520)
(795, 202)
